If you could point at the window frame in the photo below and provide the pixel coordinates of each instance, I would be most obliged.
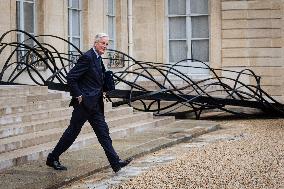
(112, 16)
(20, 24)
(22, 53)
(71, 36)
(188, 39)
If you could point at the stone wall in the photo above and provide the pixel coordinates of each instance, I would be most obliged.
(149, 30)
(252, 37)
(7, 21)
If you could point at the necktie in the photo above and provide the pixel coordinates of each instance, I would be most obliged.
(100, 65)
(100, 62)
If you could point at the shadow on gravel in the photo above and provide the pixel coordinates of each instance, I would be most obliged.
(227, 117)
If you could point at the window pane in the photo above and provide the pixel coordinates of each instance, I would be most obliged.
(18, 15)
(110, 7)
(110, 44)
(29, 41)
(75, 23)
(75, 4)
(199, 6)
(200, 50)
(177, 7)
(19, 37)
(111, 27)
(200, 27)
(177, 28)
(76, 42)
(29, 17)
(69, 22)
(69, 46)
(177, 51)
(111, 23)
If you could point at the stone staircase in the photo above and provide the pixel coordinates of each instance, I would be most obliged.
(32, 119)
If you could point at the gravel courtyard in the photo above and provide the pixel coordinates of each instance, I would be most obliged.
(242, 154)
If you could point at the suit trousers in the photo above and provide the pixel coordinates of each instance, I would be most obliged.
(100, 127)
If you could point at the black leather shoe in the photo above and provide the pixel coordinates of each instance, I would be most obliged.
(121, 163)
(52, 162)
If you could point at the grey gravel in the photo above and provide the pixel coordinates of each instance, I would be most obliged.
(244, 154)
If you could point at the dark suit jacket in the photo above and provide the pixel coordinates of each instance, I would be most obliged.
(86, 79)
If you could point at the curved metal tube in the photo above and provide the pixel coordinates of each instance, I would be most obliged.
(147, 86)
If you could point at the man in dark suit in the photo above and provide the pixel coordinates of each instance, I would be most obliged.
(86, 88)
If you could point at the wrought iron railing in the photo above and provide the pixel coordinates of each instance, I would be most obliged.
(115, 60)
(164, 89)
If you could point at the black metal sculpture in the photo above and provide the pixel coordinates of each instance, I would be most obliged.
(161, 88)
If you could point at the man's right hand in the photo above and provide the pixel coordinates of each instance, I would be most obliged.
(79, 98)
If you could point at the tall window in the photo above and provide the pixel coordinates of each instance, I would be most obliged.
(74, 23)
(25, 19)
(188, 35)
(111, 23)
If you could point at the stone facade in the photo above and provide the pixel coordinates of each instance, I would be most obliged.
(252, 37)
(243, 33)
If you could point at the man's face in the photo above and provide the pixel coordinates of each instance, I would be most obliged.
(101, 45)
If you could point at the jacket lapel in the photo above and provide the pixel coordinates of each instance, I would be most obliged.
(96, 62)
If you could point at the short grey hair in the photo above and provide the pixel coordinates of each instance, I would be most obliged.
(99, 36)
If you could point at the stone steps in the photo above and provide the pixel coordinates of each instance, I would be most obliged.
(24, 155)
(35, 126)
(53, 134)
(143, 125)
(22, 90)
(11, 101)
(15, 129)
(179, 84)
(22, 100)
(31, 123)
(43, 97)
(19, 95)
(33, 106)
(127, 119)
(35, 116)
